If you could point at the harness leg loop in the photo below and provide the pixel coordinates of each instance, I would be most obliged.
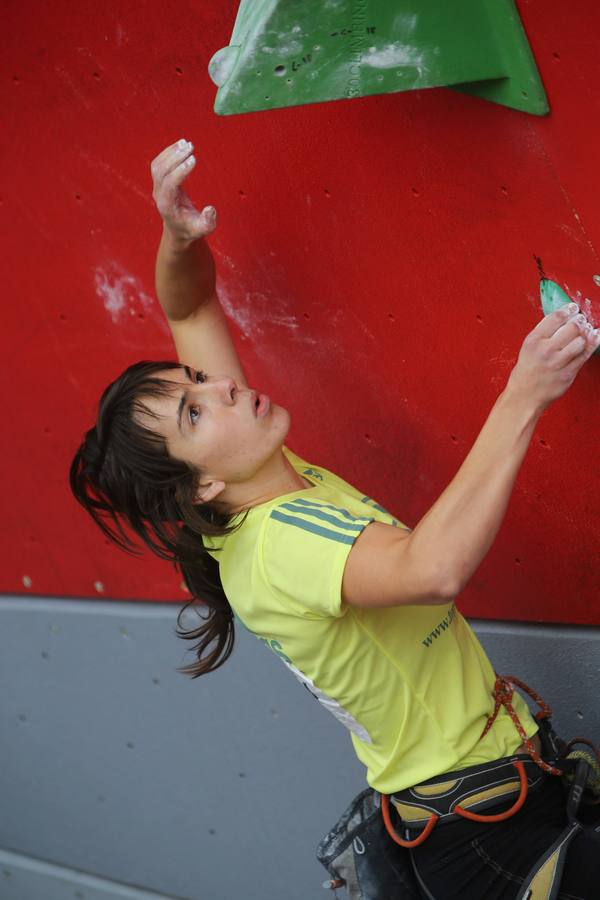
(385, 809)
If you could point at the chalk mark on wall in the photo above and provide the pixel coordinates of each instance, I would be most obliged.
(257, 311)
(121, 293)
(566, 195)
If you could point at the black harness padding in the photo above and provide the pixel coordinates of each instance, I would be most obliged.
(543, 881)
(476, 788)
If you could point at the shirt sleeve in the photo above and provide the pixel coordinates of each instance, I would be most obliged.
(304, 550)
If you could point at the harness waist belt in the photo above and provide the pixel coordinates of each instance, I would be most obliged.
(473, 789)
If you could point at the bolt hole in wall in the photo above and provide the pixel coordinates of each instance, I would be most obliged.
(504, 190)
(96, 75)
(556, 55)
(517, 560)
(179, 70)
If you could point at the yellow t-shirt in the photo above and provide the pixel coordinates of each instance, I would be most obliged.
(411, 683)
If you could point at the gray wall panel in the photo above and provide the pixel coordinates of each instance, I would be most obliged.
(561, 663)
(116, 765)
(25, 878)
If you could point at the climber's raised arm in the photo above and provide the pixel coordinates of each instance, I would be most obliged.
(185, 270)
(387, 567)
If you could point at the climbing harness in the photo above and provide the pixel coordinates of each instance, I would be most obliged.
(467, 792)
(461, 794)
(358, 852)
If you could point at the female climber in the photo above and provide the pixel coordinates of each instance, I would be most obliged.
(190, 460)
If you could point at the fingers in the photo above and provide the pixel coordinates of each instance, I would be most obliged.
(552, 322)
(169, 159)
(180, 170)
(159, 160)
(593, 340)
(559, 331)
(580, 348)
(567, 332)
(570, 353)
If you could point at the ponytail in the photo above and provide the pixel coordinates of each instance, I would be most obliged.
(124, 477)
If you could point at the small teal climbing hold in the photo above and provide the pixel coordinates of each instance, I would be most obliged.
(553, 297)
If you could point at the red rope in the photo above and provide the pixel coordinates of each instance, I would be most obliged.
(503, 692)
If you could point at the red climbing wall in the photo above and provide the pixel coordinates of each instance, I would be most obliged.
(376, 258)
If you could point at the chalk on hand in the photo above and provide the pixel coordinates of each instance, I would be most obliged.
(553, 297)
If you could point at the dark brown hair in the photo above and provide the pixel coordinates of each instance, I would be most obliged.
(123, 476)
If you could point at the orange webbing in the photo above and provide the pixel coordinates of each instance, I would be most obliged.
(499, 817)
(385, 809)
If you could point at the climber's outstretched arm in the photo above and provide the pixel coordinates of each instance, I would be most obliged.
(185, 271)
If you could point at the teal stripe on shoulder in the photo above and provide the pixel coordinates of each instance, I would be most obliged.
(312, 527)
(320, 504)
(316, 513)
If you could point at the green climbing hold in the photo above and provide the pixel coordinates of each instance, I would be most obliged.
(291, 52)
(553, 297)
